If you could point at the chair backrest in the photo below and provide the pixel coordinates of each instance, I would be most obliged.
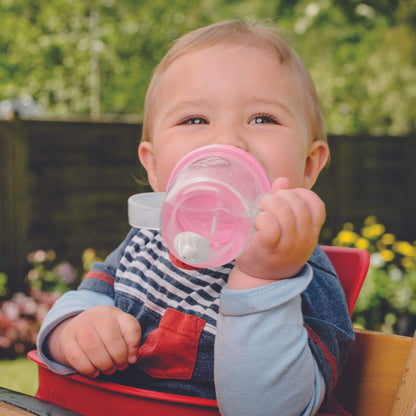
(351, 265)
(405, 399)
(372, 375)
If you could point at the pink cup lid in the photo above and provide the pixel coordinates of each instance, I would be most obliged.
(229, 152)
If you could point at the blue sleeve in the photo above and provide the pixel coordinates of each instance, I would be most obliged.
(262, 357)
(102, 274)
(96, 289)
(70, 304)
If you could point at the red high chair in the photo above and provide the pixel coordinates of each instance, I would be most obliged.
(351, 265)
(95, 397)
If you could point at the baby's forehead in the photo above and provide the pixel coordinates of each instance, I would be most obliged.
(185, 58)
(268, 48)
(189, 67)
(229, 54)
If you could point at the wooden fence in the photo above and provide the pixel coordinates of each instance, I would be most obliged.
(64, 186)
(371, 176)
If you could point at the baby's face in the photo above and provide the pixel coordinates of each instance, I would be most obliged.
(236, 95)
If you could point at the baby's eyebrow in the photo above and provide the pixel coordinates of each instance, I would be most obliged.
(200, 104)
(273, 102)
(186, 105)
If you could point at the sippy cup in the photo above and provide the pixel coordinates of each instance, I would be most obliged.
(206, 214)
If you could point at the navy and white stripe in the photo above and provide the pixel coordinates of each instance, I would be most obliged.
(146, 274)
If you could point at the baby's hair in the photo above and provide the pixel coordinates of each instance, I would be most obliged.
(242, 33)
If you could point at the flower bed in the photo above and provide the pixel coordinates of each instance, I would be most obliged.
(387, 301)
(21, 315)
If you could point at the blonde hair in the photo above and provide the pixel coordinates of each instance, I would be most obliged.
(241, 32)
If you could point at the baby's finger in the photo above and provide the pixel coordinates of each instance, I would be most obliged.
(78, 360)
(316, 206)
(268, 228)
(279, 184)
(112, 339)
(93, 347)
(279, 206)
(131, 332)
(300, 211)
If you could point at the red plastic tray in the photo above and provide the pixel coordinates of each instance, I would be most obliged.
(93, 397)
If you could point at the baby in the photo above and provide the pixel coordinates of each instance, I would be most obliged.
(265, 334)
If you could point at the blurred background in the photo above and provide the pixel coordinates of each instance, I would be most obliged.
(66, 57)
(73, 75)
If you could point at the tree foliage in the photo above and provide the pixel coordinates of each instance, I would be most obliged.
(361, 54)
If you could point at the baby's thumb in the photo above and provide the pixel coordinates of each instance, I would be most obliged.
(280, 184)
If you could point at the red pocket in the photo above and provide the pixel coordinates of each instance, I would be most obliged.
(170, 350)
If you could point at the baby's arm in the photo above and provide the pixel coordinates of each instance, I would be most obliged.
(263, 364)
(68, 327)
(263, 359)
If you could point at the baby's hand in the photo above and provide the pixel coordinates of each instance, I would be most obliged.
(102, 338)
(286, 233)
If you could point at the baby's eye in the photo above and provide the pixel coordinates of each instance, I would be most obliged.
(195, 120)
(263, 119)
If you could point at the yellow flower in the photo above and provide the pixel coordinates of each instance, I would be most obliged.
(388, 255)
(362, 243)
(347, 237)
(373, 231)
(365, 232)
(348, 226)
(370, 220)
(404, 248)
(407, 263)
(377, 229)
(388, 238)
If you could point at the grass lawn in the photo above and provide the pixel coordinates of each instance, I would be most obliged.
(19, 375)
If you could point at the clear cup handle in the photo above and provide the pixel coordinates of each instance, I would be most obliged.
(144, 210)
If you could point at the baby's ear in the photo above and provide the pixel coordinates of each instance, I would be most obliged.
(147, 159)
(317, 158)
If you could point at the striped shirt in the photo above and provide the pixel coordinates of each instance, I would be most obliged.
(146, 275)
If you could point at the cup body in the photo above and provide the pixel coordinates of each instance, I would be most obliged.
(210, 204)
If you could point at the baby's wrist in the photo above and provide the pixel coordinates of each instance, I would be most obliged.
(239, 280)
(53, 346)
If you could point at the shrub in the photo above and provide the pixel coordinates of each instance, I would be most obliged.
(47, 276)
(387, 301)
(20, 319)
(22, 314)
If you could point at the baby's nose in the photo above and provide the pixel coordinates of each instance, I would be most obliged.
(231, 138)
